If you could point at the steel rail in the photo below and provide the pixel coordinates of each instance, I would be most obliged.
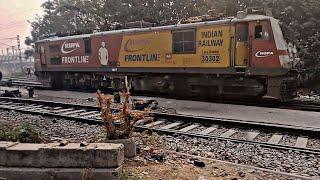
(239, 123)
(262, 144)
(294, 105)
(185, 118)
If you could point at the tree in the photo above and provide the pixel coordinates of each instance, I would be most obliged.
(28, 53)
(28, 41)
(299, 18)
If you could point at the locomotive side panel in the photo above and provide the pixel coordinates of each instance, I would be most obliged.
(68, 54)
(148, 49)
(214, 46)
(202, 47)
(79, 53)
(264, 53)
(105, 50)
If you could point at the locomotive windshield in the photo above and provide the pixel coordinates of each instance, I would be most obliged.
(278, 36)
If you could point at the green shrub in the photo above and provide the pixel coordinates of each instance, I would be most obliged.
(23, 133)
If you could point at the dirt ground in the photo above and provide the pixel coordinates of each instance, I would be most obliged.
(153, 162)
(180, 167)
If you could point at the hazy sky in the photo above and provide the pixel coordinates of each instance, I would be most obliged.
(13, 19)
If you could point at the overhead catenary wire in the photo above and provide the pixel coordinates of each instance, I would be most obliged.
(5, 44)
(12, 27)
(10, 38)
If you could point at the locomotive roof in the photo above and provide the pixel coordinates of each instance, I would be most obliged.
(169, 27)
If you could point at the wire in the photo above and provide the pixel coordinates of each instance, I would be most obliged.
(11, 38)
(5, 44)
(7, 28)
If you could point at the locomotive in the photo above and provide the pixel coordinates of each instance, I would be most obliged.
(236, 58)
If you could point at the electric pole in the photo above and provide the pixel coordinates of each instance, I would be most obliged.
(19, 49)
(12, 47)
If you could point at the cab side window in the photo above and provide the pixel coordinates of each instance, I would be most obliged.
(54, 48)
(184, 41)
(260, 32)
(242, 33)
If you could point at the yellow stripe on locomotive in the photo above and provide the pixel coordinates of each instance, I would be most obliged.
(205, 46)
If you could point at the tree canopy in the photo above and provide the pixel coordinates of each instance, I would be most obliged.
(299, 18)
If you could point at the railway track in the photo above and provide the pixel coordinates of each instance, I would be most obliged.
(302, 105)
(294, 105)
(278, 136)
(81, 113)
(312, 106)
(22, 82)
(267, 135)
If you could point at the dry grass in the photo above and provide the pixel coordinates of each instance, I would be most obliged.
(118, 125)
(87, 174)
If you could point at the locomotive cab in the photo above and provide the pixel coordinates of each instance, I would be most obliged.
(261, 50)
(260, 44)
(40, 57)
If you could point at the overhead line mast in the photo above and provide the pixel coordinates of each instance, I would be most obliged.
(19, 49)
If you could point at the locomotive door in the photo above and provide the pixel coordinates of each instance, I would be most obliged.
(242, 45)
(42, 55)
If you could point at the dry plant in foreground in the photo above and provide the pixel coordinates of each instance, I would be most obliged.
(118, 125)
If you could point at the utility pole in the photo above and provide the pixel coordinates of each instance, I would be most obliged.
(7, 51)
(19, 49)
(2, 52)
(75, 21)
(12, 47)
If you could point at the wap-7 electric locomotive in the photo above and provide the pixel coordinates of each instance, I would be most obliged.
(244, 57)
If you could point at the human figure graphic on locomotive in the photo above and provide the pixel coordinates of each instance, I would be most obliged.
(103, 54)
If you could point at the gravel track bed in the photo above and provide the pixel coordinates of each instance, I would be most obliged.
(313, 143)
(181, 126)
(219, 131)
(197, 129)
(88, 102)
(240, 134)
(289, 140)
(248, 154)
(263, 137)
(162, 124)
(55, 128)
